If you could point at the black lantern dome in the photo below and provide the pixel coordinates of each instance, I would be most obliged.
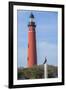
(31, 15)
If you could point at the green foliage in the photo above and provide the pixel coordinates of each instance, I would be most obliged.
(36, 72)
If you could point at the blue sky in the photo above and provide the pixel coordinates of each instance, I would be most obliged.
(46, 36)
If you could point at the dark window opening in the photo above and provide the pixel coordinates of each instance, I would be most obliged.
(28, 45)
(27, 58)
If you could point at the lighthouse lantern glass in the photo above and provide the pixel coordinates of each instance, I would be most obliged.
(31, 19)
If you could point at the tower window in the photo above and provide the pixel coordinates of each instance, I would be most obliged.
(27, 58)
(28, 45)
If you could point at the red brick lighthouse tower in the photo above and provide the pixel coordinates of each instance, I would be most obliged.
(32, 54)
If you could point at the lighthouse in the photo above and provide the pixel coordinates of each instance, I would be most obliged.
(32, 52)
